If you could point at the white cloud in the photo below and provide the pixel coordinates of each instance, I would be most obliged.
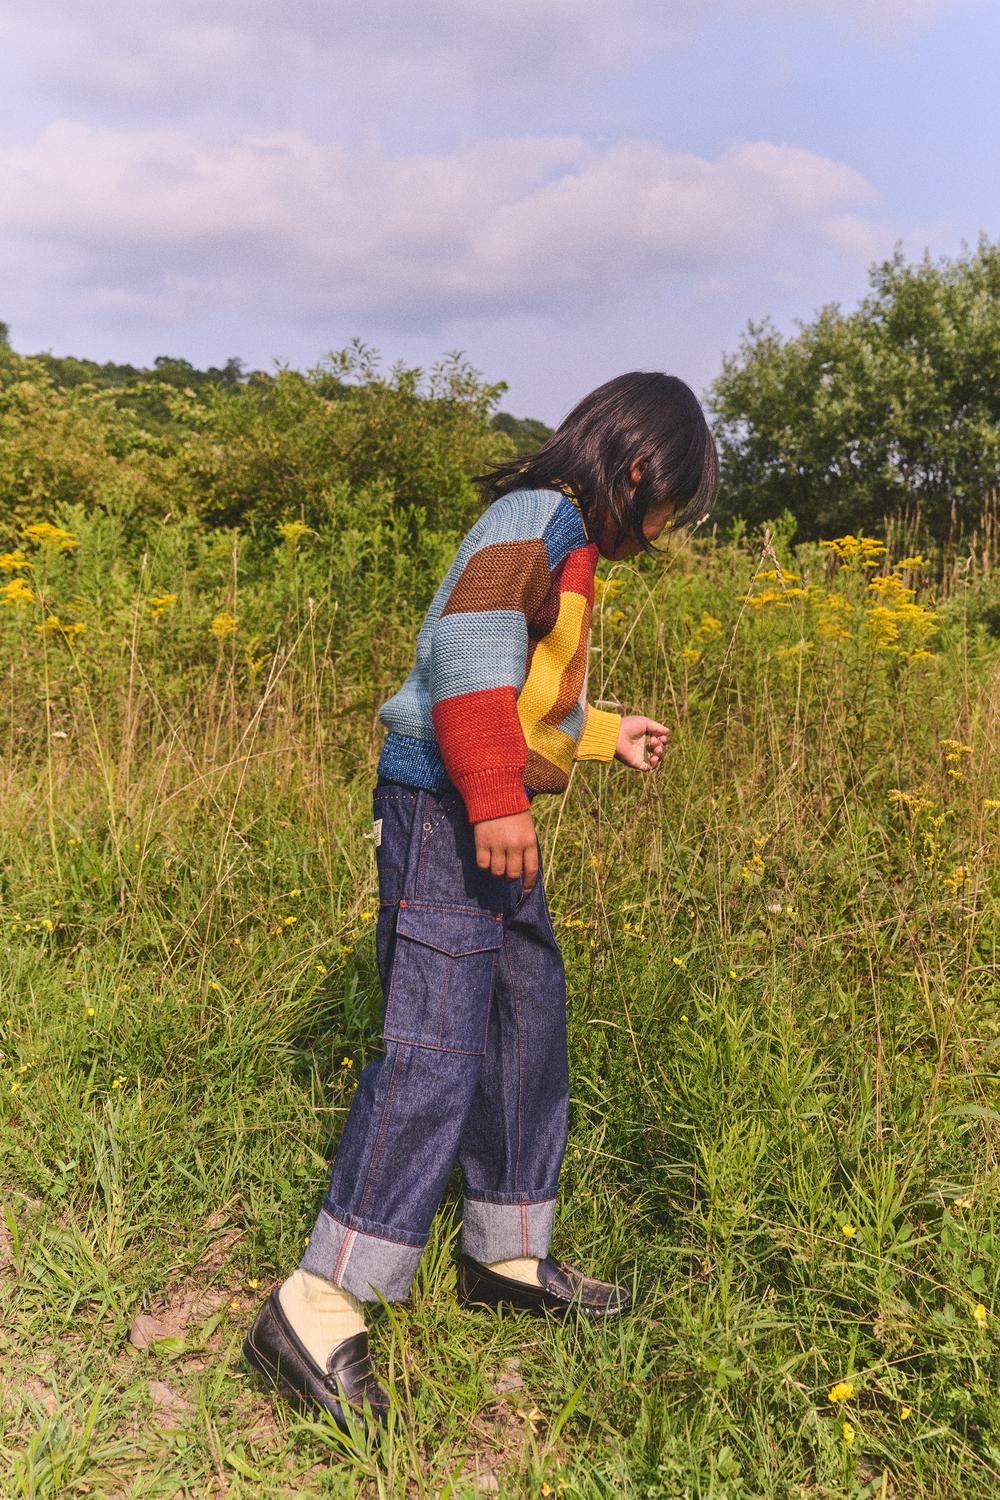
(150, 221)
(140, 59)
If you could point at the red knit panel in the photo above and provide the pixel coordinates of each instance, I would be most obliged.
(479, 731)
(578, 572)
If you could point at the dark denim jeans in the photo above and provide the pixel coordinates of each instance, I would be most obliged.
(475, 1064)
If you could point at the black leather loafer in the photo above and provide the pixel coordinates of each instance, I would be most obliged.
(274, 1350)
(563, 1290)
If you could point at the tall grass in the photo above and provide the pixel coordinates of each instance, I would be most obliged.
(783, 976)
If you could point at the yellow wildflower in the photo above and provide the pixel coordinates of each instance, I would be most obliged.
(911, 800)
(904, 1411)
(224, 624)
(848, 1432)
(848, 1231)
(47, 535)
(293, 530)
(979, 1313)
(68, 628)
(842, 1391)
(11, 561)
(16, 592)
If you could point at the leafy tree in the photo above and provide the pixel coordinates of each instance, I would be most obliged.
(893, 408)
(526, 433)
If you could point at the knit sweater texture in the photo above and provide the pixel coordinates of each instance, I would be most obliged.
(496, 701)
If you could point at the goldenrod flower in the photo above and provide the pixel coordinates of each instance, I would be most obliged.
(67, 628)
(11, 561)
(223, 625)
(47, 535)
(159, 603)
(16, 592)
(293, 530)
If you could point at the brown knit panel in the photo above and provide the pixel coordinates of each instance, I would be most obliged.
(549, 608)
(504, 575)
(542, 776)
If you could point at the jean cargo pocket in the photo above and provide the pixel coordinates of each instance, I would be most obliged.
(442, 977)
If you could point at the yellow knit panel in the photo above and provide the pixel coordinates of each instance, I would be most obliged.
(554, 744)
(599, 739)
(551, 657)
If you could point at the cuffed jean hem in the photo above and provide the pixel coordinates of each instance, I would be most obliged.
(364, 1264)
(506, 1231)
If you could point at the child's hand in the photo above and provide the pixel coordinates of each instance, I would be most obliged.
(635, 730)
(508, 846)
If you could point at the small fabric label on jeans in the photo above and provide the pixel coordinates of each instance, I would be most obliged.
(377, 831)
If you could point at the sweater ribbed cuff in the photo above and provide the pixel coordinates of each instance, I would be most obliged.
(493, 793)
(599, 739)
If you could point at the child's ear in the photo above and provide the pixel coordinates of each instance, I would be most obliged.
(635, 473)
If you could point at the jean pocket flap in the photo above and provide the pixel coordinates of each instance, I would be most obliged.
(450, 929)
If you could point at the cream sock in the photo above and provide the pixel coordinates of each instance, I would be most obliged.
(322, 1313)
(525, 1268)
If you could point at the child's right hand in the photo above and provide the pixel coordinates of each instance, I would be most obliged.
(508, 846)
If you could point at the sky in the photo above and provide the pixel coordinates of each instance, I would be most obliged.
(561, 189)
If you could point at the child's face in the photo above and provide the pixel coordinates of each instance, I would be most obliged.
(653, 523)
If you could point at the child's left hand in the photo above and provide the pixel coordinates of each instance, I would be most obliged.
(635, 730)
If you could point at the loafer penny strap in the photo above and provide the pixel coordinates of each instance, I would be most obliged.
(565, 1281)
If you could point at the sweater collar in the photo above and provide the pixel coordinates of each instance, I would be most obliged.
(570, 493)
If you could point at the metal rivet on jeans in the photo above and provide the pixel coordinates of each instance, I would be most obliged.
(427, 828)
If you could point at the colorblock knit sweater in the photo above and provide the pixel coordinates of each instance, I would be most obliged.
(496, 701)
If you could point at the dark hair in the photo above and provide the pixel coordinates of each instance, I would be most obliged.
(645, 416)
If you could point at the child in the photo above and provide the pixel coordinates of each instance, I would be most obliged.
(475, 1068)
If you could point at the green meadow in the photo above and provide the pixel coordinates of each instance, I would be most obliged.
(782, 955)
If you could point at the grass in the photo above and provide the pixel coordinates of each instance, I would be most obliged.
(783, 974)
